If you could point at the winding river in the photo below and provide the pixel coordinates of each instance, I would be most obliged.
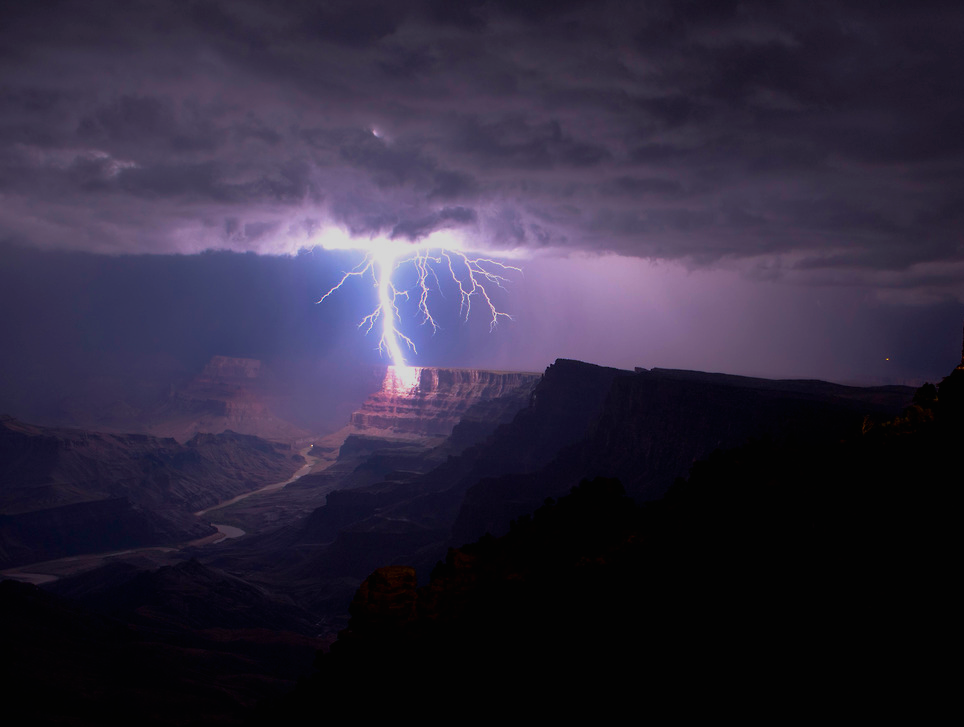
(78, 563)
(229, 531)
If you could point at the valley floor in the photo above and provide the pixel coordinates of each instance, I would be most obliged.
(155, 557)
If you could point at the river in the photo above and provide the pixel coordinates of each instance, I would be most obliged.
(79, 563)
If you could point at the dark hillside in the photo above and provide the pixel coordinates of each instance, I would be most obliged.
(68, 491)
(758, 587)
(67, 664)
(652, 426)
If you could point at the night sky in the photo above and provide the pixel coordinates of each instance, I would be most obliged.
(772, 188)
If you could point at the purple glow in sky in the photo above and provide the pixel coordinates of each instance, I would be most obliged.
(770, 188)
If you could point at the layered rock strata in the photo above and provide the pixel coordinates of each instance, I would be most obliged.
(230, 393)
(429, 402)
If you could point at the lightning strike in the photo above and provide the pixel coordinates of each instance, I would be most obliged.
(473, 278)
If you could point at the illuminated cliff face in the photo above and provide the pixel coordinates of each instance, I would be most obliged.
(430, 401)
(402, 380)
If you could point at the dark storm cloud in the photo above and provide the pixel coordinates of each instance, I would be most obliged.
(447, 217)
(635, 186)
(513, 142)
(821, 136)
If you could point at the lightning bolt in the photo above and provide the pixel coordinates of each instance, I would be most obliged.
(473, 277)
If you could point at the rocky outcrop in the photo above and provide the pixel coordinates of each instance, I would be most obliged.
(386, 599)
(426, 401)
(230, 393)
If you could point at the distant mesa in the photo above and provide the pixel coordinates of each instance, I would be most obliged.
(230, 393)
(227, 386)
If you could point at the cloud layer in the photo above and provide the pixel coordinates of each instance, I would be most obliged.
(816, 140)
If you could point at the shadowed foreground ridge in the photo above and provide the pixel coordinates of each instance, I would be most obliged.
(759, 586)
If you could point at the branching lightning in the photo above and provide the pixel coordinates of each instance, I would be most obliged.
(473, 278)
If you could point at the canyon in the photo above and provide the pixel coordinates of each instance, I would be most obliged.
(431, 460)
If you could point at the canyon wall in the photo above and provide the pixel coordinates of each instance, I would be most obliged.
(424, 401)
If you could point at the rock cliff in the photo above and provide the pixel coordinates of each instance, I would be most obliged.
(429, 402)
(649, 427)
(230, 393)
